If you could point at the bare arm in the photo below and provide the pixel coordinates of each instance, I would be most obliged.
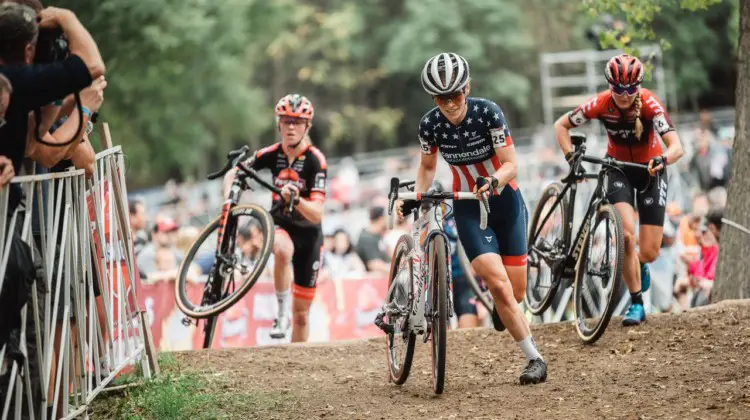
(673, 154)
(426, 172)
(311, 210)
(674, 147)
(84, 157)
(80, 41)
(49, 156)
(562, 127)
(509, 169)
(6, 171)
(69, 104)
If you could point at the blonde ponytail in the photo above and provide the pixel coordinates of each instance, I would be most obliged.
(638, 123)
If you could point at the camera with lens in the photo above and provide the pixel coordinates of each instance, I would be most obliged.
(51, 46)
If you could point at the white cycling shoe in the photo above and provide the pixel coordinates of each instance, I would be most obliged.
(281, 326)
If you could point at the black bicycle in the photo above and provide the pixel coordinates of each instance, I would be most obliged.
(593, 263)
(242, 259)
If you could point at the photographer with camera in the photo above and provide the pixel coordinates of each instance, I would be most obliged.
(78, 153)
(65, 61)
(36, 86)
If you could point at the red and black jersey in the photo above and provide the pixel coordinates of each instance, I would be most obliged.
(308, 172)
(620, 125)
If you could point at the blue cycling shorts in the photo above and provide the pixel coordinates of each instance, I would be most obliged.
(506, 227)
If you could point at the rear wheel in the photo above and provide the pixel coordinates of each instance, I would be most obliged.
(548, 239)
(599, 274)
(220, 289)
(400, 342)
(439, 306)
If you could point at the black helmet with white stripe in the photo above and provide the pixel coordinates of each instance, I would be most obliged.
(444, 74)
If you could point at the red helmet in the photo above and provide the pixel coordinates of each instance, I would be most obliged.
(624, 70)
(295, 105)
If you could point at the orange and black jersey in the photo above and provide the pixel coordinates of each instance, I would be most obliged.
(308, 172)
(620, 125)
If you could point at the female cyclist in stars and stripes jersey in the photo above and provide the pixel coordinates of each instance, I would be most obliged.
(473, 137)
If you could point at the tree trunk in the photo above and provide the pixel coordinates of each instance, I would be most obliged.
(732, 272)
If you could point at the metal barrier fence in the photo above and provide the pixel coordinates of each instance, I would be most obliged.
(82, 326)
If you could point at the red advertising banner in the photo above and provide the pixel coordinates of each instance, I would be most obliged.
(343, 309)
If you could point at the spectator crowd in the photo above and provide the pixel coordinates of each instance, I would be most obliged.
(357, 240)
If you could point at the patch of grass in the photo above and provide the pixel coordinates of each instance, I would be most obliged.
(166, 360)
(185, 396)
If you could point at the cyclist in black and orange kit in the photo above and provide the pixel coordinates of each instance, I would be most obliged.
(632, 116)
(298, 168)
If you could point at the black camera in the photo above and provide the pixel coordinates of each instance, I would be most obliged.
(51, 46)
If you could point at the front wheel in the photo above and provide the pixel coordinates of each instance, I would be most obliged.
(599, 274)
(548, 240)
(400, 341)
(439, 306)
(247, 243)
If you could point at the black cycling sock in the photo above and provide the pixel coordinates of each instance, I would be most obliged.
(636, 297)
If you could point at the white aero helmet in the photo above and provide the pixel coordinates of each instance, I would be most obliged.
(445, 73)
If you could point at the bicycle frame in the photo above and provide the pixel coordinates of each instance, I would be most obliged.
(568, 261)
(429, 223)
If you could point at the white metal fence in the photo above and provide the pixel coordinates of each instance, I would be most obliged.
(81, 327)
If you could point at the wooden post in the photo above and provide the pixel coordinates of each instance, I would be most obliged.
(105, 136)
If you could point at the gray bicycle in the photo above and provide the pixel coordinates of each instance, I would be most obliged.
(419, 301)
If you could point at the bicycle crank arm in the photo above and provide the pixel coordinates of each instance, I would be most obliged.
(551, 258)
(386, 328)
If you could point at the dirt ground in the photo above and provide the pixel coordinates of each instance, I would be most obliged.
(693, 365)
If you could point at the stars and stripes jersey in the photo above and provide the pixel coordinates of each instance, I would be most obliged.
(622, 142)
(308, 172)
(469, 147)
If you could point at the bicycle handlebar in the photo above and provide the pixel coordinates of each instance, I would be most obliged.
(236, 159)
(233, 158)
(613, 162)
(394, 195)
(577, 172)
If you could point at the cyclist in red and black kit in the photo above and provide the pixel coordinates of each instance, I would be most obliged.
(298, 169)
(632, 116)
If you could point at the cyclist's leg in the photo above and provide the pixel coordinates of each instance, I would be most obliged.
(306, 262)
(283, 249)
(482, 249)
(511, 227)
(652, 207)
(620, 194)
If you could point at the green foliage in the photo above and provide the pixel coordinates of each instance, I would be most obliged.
(639, 15)
(178, 88)
(190, 79)
(698, 37)
(494, 42)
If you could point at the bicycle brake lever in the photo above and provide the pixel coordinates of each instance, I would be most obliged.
(292, 199)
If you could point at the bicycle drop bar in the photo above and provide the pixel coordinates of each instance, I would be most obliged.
(233, 158)
(394, 195)
(613, 162)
